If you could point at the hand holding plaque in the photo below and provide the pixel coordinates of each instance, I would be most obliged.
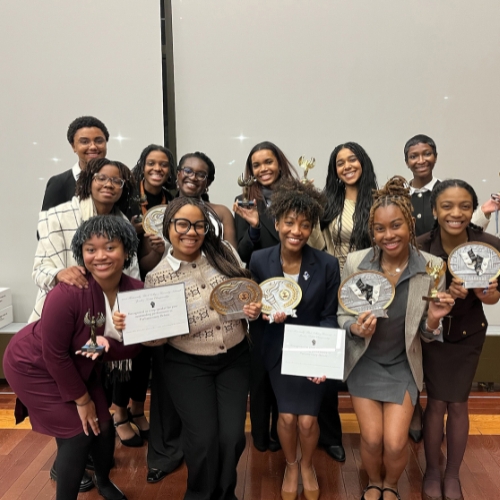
(366, 291)
(476, 264)
(229, 298)
(280, 295)
(153, 220)
(245, 184)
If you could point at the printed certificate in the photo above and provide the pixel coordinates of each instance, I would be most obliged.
(310, 351)
(153, 313)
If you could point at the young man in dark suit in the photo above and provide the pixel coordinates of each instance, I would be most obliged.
(88, 137)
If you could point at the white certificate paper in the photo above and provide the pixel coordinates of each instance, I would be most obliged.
(153, 313)
(310, 351)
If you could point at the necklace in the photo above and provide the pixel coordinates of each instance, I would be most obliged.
(397, 270)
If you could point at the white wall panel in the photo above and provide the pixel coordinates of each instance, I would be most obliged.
(61, 59)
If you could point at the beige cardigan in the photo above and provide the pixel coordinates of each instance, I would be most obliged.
(420, 285)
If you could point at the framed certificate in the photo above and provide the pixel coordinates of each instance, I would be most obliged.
(310, 351)
(474, 263)
(153, 313)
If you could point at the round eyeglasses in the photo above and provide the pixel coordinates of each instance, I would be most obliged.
(104, 179)
(183, 226)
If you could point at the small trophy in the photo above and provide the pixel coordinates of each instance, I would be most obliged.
(280, 295)
(138, 201)
(435, 271)
(306, 165)
(229, 297)
(245, 184)
(93, 322)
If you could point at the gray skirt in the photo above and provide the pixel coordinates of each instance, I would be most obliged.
(384, 383)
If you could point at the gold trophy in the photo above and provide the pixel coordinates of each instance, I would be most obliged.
(93, 322)
(435, 271)
(245, 184)
(306, 165)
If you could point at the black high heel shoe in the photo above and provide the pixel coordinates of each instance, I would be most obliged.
(144, 434)
(133, 442)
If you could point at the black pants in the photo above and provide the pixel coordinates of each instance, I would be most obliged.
(210, 394)
(164, 444)
(137, 387)
(263, 406)
(329, 418)
(72, 456)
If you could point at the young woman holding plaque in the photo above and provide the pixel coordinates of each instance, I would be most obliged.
(449, 367)
(343, 228)
(255, 230)
(206, 372)
(195, 173)
(62, 390)
(153, 177)
(383, 356)
(296, 207)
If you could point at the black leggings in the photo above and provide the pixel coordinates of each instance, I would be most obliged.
(72, 456)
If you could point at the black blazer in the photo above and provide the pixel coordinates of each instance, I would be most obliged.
(319, 279)
(60, 189)
(268, 235)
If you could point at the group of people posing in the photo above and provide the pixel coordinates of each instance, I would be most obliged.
(91, 246)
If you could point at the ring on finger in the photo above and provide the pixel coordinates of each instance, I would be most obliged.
(96, 419)
(363, 327)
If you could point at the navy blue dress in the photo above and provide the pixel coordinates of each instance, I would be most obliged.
(319, 279)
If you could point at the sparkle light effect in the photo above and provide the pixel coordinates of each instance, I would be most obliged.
(241, 137)
(120, 138)
(56, 160)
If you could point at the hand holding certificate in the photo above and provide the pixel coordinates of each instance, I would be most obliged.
(154, 313)
(311, 351)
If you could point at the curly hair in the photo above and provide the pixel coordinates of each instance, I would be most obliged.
(441, 187)
(138, 170)
(395, 192)
(85, 122)
(419, 139)
(335, 193)
(84, 182)
(108, 226)
(291, 195)
(287, 170)
(218, 253)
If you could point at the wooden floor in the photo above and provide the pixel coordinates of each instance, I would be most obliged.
(26, 458)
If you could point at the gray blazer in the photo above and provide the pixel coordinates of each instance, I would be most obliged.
(416, 310)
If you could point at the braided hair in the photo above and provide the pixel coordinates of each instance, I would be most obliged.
(138, 170)
(218, 253)
(395, 192)
(110, 227)
(84, 182)
(442, 186)
(287, 170)
(291, 195)
(335, 193)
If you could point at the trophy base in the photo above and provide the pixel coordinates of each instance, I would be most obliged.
(246, 204)
(431, 299)
(92, 349)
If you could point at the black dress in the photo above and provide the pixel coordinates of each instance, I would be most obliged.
(450, 366)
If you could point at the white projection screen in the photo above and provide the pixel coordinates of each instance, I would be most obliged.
(61, 59)
(311, 74)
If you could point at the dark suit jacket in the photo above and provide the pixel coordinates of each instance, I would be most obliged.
(319, 279)
(467, 316)
(60, 189)
(268, 235)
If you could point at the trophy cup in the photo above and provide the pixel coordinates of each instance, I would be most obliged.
(138, 201)
(245, 184)
(306, 165)
(93, 322)
(435, 271)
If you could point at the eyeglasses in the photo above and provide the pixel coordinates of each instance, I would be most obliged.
(183, 226)
(189, 172)
(103, 179)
